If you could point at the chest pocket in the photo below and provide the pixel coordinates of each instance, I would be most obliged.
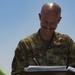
(37, 57)
(57, 55)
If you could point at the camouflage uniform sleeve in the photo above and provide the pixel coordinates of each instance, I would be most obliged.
(20, 59)
(72, 54)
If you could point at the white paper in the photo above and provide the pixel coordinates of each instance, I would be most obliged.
(71, 69)
(45, 68)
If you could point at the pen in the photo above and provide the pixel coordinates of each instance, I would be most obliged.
(36, 61)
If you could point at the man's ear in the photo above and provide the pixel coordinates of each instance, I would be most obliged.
(59, 19)
(39, 16)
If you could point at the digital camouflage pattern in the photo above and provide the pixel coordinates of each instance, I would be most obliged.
(33, 51)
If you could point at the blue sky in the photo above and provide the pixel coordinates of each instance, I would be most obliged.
(19, 18)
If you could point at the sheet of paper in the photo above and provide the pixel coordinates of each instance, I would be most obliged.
(71, 69)
(45, 68)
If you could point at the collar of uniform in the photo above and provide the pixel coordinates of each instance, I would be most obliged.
(41, 43)
(56, 39)
(38, 40)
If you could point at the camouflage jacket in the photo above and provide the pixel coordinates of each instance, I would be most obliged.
(33, 51)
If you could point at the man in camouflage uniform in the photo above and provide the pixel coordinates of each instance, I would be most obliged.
(45, 47)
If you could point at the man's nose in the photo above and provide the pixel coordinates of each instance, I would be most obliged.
(50, 25)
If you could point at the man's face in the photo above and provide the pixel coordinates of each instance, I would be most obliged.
(49, 22)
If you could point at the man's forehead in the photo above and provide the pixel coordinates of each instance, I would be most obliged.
(49, 13)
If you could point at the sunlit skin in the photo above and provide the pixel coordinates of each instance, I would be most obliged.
(49, 19)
